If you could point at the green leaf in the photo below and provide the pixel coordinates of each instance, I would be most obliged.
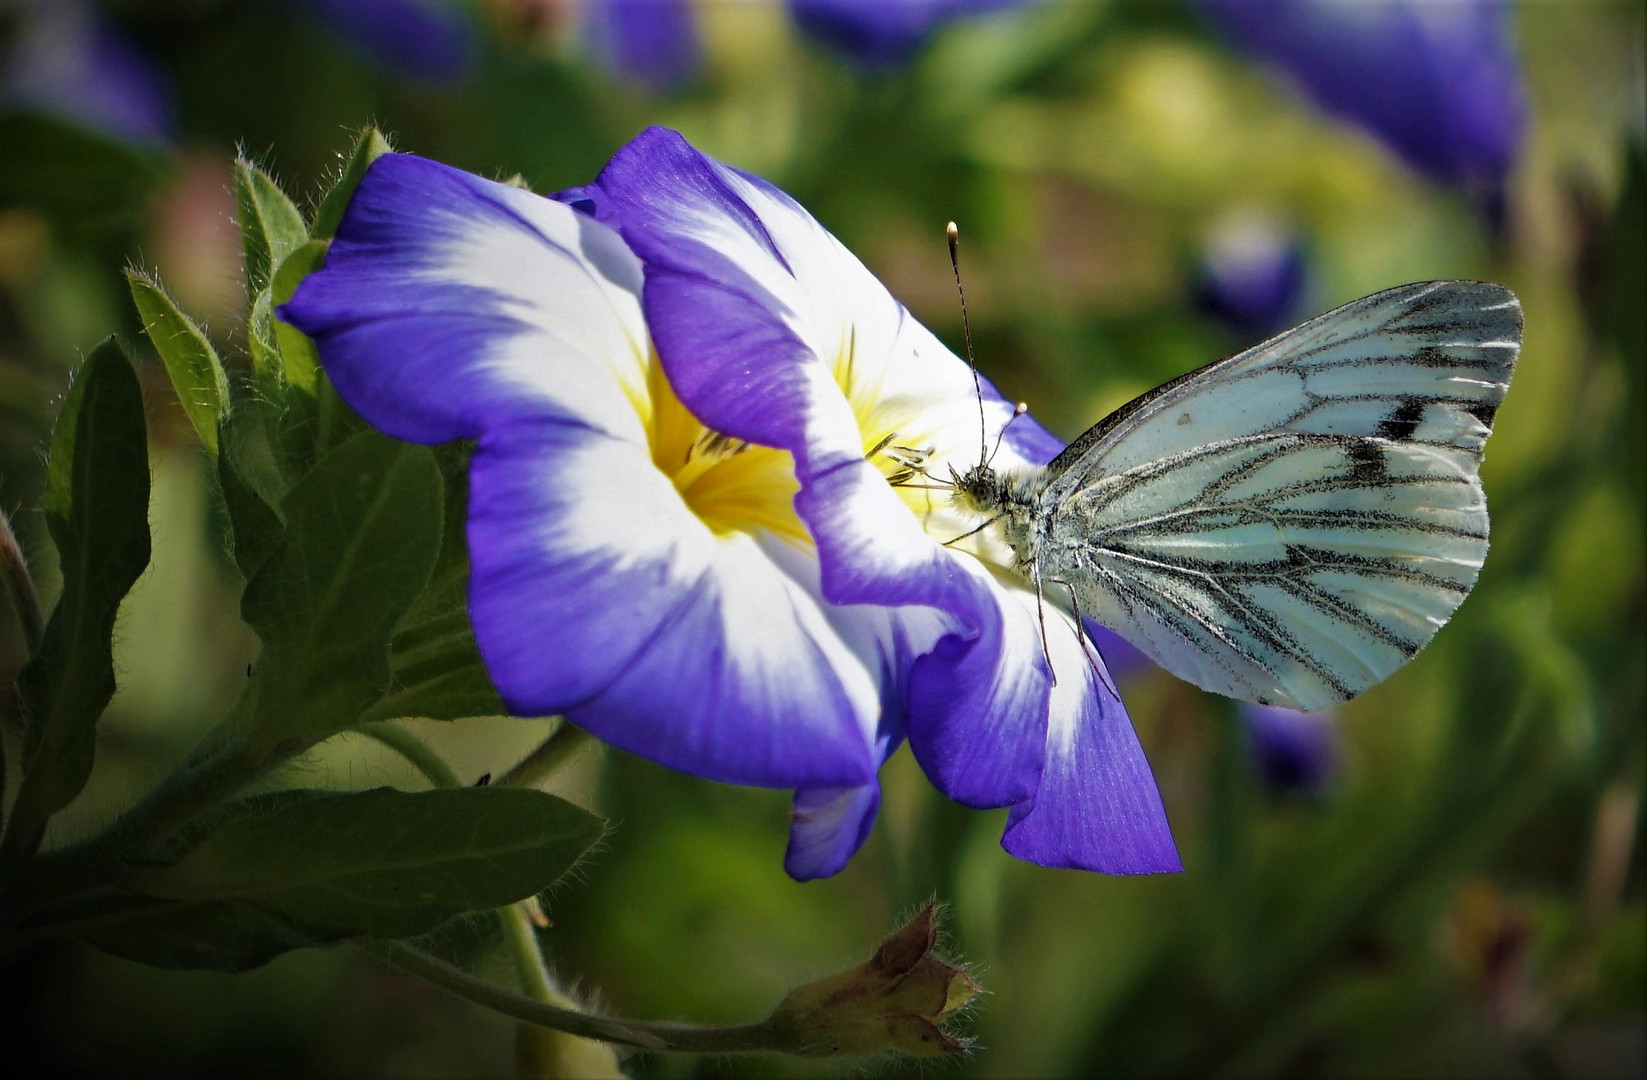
(386, 862)
(368, 148)
(299, 360)
(438, 672)
(196, 372)
(197, 935)
(268, 370)
(362, 535)
(271, 228)
(257, 528)
(288, 420)
(96, 503)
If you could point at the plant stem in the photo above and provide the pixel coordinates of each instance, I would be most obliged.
(19, 586)
(646, 1036)
(413, 749)
(223, 763)
(547, 759)
(523, 943)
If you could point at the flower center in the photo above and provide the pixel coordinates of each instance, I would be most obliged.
(732, 486)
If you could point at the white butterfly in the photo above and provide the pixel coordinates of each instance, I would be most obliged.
(1292, 524)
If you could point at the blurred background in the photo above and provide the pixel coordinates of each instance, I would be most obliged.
(1441, 879)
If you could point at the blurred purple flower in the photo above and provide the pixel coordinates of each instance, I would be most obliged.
(1295, 754)
(652, 43)
(1251, 278)
(1438, 81)
(885, 33)
(433, 40)
(684, 530)
(62, 58)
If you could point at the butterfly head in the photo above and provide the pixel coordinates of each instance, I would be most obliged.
(980, 489)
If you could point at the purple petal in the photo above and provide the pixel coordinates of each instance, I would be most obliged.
(830, 824)
(759, 315)
(596, 593)
(1251, 277)
(1438, 82)
(444, 295)
(1123, 659)
(454, 307)
(650, 42)
(1097, 807)
(427, 39)
(828, 828)
(978, 705)
(884, 33)
(62, 58)
(1293, 753)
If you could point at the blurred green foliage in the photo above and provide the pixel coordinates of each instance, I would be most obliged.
(1468, 897)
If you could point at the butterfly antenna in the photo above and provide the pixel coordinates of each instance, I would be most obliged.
(1017, 410)
(954, 235)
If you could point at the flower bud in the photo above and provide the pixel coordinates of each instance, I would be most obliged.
(895, 1001)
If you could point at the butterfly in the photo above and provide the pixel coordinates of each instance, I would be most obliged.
(1289, 525)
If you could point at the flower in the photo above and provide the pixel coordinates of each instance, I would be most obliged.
(1252, 276)
(432, 40)
(62, 58)
(881, 34)
(653, 43)
(1439, 83)
(1293, 753)
(691, 527)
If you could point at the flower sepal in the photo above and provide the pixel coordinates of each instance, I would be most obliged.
(896, 1000)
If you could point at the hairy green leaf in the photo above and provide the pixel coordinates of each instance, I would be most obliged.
(96, 502)
(362, 535)
(386, 862)
(196, 372)
(268, 371)
(368, 148)
(299, 360)
(198, 935)
(255, 524)
(271, 228)
(438, 672)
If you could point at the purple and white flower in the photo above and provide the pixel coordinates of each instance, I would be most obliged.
(1251, 278)
(62, 57)
(885, 33)
(691, 526)
(1438, 81)
(1294, 754)
(652, 43)
(433, 40)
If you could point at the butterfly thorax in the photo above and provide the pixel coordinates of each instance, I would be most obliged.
(1007, 497)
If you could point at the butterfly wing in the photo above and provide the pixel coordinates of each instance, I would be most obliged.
(1292, 524)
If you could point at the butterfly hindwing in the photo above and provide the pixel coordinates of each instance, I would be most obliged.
(1292, 524)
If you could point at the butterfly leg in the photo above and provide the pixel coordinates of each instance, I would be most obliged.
(1088, 646)
(1041, 616)
(979, 529)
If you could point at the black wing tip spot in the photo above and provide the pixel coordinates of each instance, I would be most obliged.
(1402, 422)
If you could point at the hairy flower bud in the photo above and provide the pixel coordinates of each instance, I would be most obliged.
(894, 1001)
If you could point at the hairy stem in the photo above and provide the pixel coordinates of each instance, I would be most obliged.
(223, 763)
(433, 767)
(646, 1036)
(547, 759)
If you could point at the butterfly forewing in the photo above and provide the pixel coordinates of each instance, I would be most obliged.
(1292, 524)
